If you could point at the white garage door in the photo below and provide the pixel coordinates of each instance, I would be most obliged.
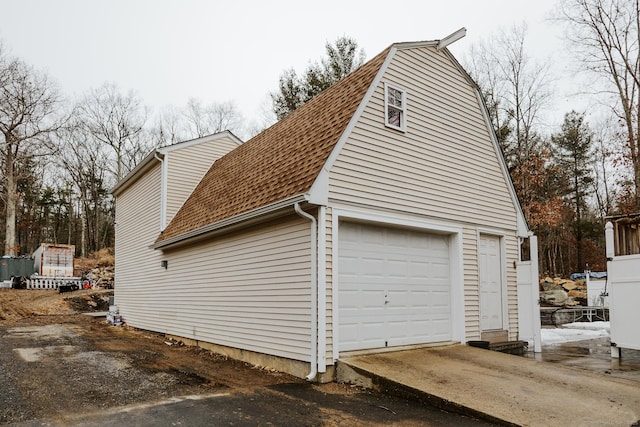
(394, 287)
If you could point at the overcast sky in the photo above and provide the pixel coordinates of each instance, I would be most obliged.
(171, 50)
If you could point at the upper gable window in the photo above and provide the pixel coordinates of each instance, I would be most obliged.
(395, 107)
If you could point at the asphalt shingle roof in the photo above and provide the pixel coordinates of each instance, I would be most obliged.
(281, 162)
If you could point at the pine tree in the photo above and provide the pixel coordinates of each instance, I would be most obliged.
(342, 58)
(574, 153)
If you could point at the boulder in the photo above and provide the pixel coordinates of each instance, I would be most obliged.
(554, 297)
(568, 285)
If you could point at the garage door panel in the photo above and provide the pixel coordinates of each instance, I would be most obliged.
(408, 301)
(419, 269)
(441, 300)
(396, 268)
(350, 300)
(397, 240)
(349, 265)
(372, 267)
(396, 289)
(371, 237)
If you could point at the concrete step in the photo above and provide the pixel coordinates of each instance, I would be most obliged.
(510, 347)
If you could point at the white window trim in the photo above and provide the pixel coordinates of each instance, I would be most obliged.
(403, 121)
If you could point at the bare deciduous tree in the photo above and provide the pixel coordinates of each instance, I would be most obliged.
(116, 120)
(28, 114)
(606, 36)
(195, 120)
(167, 127)
(201, 120)
(516, 90)
(603, 163)
(86, 163)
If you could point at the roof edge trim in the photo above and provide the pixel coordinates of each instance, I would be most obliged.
(141, 167)
(196, 141)
(225, 223)
(412, 45)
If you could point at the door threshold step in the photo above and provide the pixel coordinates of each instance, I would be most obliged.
(510, 347)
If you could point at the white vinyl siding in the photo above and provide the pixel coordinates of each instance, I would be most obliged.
(471, 281)
(248, 290)
(186, 167)
(137, 226)
(444, 167)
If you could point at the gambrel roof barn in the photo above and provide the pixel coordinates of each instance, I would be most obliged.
(379, 214)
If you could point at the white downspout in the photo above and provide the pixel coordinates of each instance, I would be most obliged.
(163, 191)
(322, 289)
(314, 293)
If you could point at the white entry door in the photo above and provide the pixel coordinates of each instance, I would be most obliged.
(491, 290)
(394, 287)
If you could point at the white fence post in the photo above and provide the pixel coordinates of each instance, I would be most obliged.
(529, 298)
(608, 238)
(535, 294)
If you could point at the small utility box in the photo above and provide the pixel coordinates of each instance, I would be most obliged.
(15, 267)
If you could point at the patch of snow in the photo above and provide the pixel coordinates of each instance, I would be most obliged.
(575, 332)
(591, 326)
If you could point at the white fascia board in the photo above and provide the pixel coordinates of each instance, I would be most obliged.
(413, 45)
(209, 229)
(319, 192)
(135, 173)
(196, 141)
(461, 68)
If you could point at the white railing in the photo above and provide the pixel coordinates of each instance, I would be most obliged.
(623, 275)
(46, 282)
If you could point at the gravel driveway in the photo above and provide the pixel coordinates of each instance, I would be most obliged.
(78, 370)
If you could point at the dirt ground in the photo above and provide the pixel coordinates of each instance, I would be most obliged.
(17, 304)
(58, 367)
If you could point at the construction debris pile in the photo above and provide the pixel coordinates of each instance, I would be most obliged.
(559, 292)
(101, 277)
(98, 268)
